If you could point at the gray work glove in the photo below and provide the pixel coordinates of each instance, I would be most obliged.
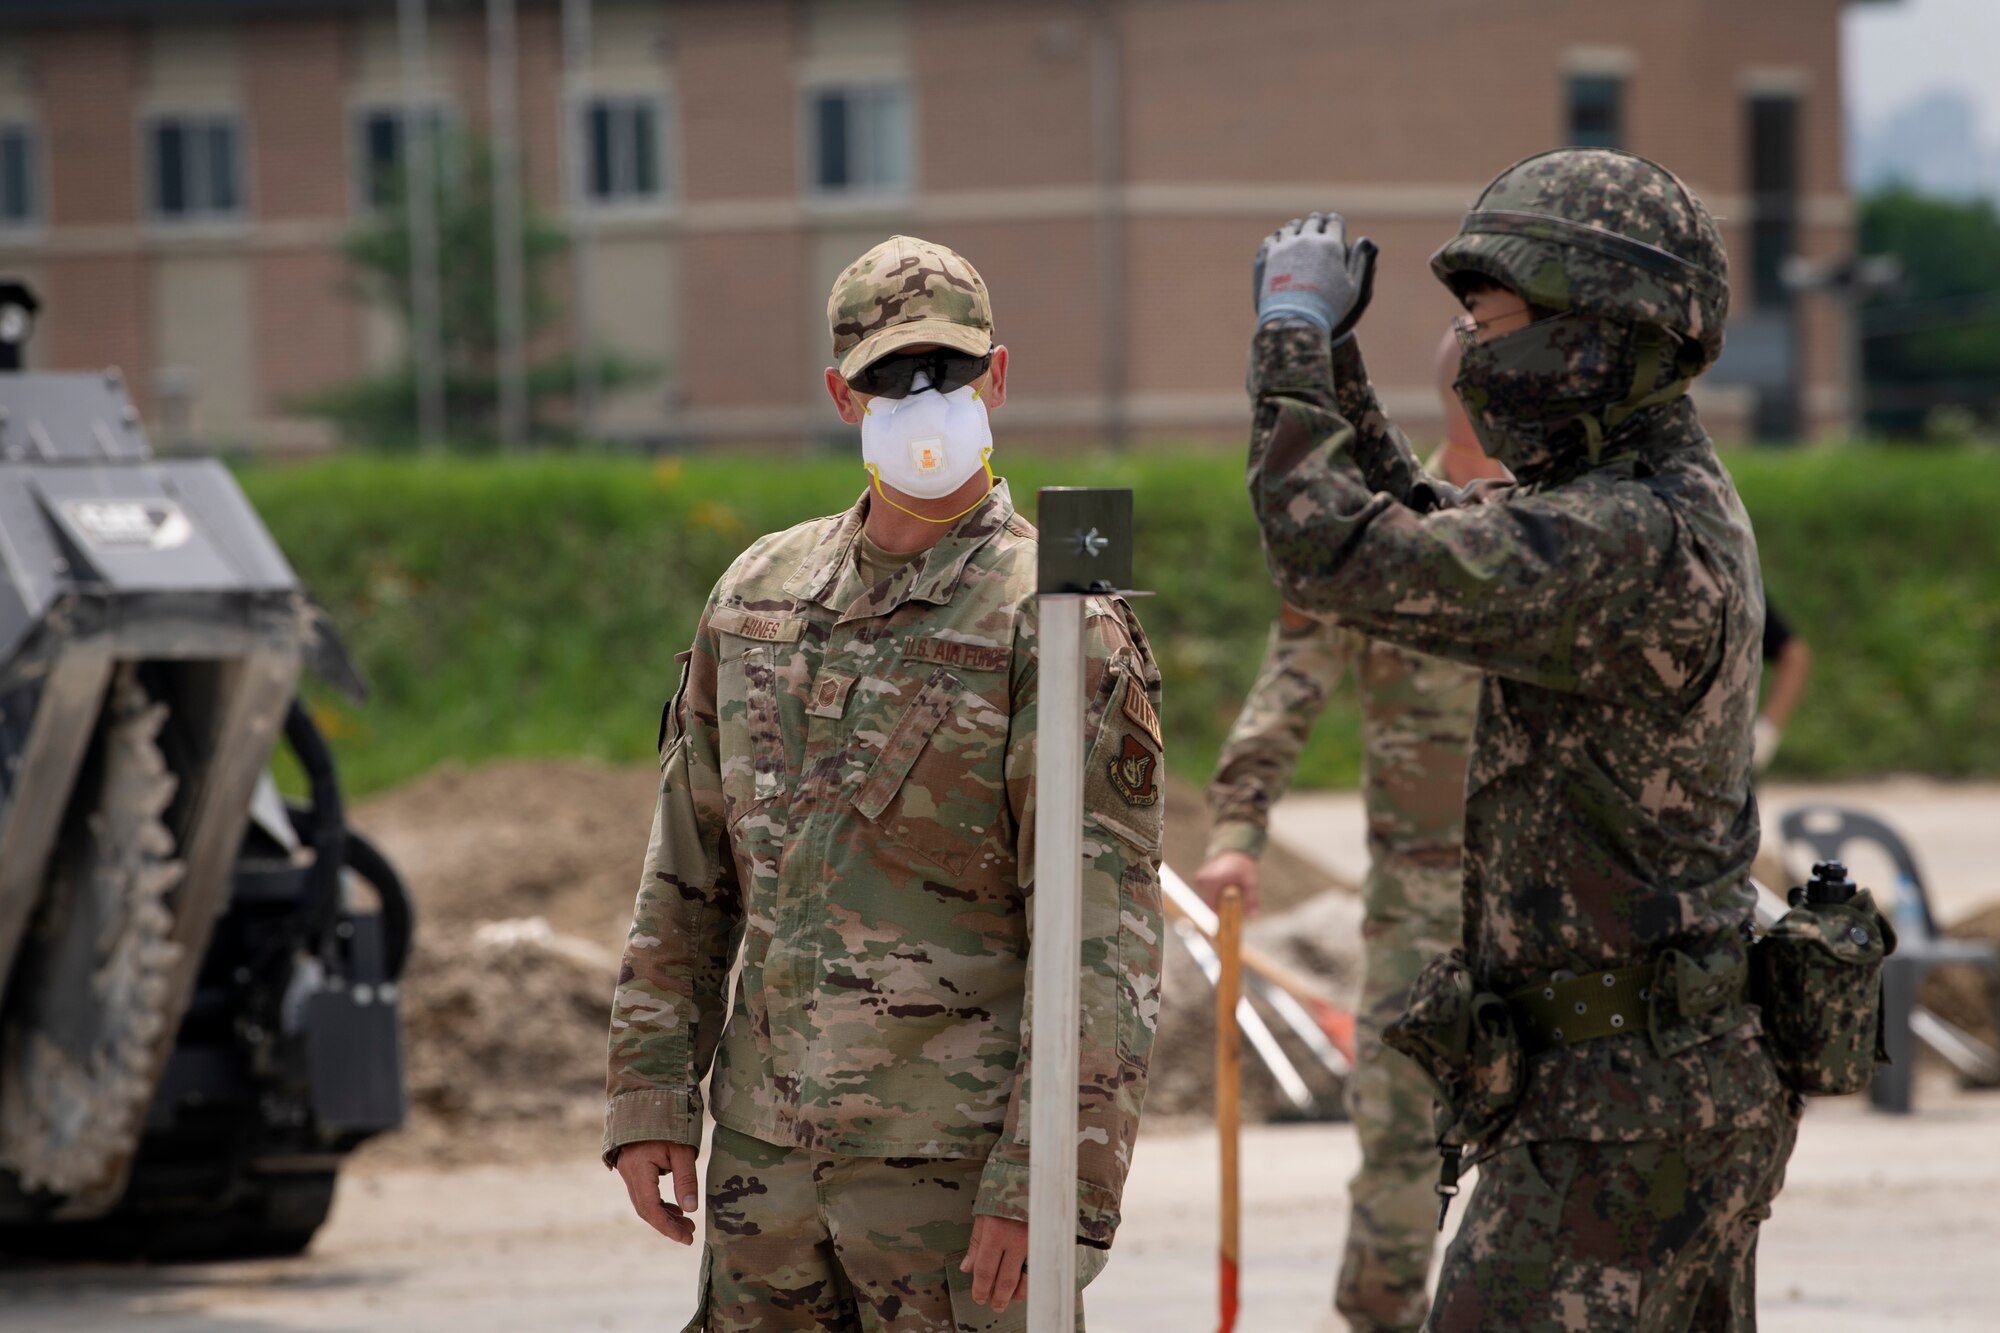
(1307, 270)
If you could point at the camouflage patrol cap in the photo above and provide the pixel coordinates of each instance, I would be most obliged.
(1602, 233)
(902, 292)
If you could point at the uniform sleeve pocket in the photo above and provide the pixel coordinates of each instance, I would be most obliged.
(912, 732)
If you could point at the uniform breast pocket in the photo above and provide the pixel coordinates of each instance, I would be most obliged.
(928, 788)
(752, 734)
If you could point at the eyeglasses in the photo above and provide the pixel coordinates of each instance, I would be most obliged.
(892, 376)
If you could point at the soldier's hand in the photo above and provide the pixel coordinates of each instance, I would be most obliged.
(642, 1166)
(1307, 270)
(998, 1261)
(1224, 869)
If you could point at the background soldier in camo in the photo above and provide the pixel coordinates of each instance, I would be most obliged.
(847, 804)
(1417, 715)
(1591, 1040)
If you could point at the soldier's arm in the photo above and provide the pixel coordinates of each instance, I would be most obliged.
(1585, 589)
(1380, 449)
(1303, 660)
(667, 1013)
(1124, 799)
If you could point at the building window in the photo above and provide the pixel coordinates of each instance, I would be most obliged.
(379, 153)
(624, 162)
(17, 176)
(1774, 193)
(861, 139)
(1596, 111)
(196, 171)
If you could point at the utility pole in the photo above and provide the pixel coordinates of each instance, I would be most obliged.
(507, 282)
(576, 148)
(420, 177)
(1107, 112)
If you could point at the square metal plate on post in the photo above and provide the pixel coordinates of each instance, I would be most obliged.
(1086, 539)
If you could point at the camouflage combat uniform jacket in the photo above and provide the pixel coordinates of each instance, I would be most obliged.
(1616, 610)
(847, 791)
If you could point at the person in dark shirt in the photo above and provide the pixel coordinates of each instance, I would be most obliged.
(1790, 659)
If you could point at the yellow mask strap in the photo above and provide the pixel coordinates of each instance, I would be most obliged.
(984, 455)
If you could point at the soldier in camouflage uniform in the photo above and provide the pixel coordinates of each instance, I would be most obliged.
(1591, 1038)
(1417, 715)
(847, 806)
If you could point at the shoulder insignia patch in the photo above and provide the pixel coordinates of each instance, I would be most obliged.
(1134, 773)
(953, 652)
(1139, 709)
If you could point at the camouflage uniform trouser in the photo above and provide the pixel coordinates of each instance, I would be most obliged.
(1656, 1236)
(798, 1240)
(1411, 913)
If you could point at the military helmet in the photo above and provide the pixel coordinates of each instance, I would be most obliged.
(1602, 233)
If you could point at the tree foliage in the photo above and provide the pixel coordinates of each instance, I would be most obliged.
(1937, 342)
(381, 409)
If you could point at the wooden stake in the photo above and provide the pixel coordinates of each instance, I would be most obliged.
(1229, 1093)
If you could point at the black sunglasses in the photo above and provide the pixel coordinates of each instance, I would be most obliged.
(892, 376)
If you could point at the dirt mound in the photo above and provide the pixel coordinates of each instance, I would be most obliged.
(523, 876)
(1321, 937)
(562, 840)
(1966, 996)
(505, 1025)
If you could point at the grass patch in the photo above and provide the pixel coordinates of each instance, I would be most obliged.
(532, 607)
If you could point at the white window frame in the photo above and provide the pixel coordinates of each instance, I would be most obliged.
(204, 216)
(810, 93)
(358, 116)
(37, 183)
(664, 194)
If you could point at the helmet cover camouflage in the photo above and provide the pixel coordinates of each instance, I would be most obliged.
(1605, 234)
(903, 292)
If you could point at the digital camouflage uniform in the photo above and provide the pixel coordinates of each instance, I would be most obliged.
(1417, 715)
(1611, 596)
(847, 793)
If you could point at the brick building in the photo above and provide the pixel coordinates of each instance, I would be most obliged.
(176, 175)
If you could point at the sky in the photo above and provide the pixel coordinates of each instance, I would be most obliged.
(1897, 52)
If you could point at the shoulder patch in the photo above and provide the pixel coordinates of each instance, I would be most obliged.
(1139, 710)
(1134, 773)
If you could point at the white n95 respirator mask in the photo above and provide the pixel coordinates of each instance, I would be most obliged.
(927, 444)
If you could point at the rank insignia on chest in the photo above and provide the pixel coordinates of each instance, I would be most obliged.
(1133, 773)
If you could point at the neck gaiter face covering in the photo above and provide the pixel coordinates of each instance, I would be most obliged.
(1552, 392)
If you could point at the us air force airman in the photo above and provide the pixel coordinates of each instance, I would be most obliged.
(847, 805)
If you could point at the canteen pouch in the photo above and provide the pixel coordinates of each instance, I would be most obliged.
(1464, 1041)
(1817, 977)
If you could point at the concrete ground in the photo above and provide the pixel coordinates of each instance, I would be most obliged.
(1885, 1224)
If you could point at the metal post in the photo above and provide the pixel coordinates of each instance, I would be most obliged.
(1058, 962)
(576, 147)
(507, 286)
(420, 215)
(1086, 547)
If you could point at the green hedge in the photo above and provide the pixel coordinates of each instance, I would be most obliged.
(533, 606)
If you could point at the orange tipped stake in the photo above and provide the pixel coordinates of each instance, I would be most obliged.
(1229, 1093)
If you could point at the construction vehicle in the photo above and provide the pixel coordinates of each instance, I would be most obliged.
(198, 981)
